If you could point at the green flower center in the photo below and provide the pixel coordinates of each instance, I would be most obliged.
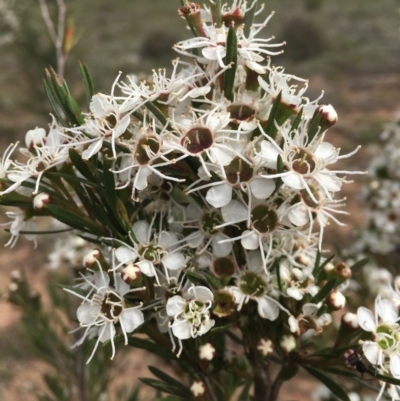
(264, 219)
(252, 284)
(387, 337)
(151, 252)
(209, 221)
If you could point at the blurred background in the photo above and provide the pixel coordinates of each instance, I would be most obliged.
(349, 49)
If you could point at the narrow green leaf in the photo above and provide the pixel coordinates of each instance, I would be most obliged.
(334, 387)
(270, 129)
(53, 103)
(358, 265)
(288, 372)
(150, 346)
(296, 123)
(279, 170)
(71, 178)
(322, 265)
(109, 183)
(72, 220)
(167, 378)
(161, 386)
(324, 291)
(317, 262)
(156, 112)
(87, 82)
(196, 278)
(231, 58)
(244, 395)
(171, 398)
(218, 16)
(81, 165)
(248, 22)
(314, 127)
(75, 109)
(45, 232)
(220, 329)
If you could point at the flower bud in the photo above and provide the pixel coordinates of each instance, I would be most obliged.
(197, 388)
(337, 300)
(288, 343)
(329, 267)
(223, 303)
(265, 346)
(342, 270)
(329, 116)
(91, 257)
(350, 320)
(206, 352)
(130, 273)
(41, 200)
(35, 137)
(16, 276)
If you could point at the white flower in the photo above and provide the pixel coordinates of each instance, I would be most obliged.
(386, 335)
(308, 319)
(191, 314)
(106, 307)
(20, 222)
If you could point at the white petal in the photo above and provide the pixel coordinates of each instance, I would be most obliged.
(262, 188)
(219, 195)
(195, 239)
(366, 319)
(147, 268)
(268, 309)
(86, 313)
(310, 309)
(219, 155)
(175, 305)
(298, 215)
(93, 148)
(269, 154)
(101, 279)
(125, 255)
(330, 181)
(372, 352)
(395, 366)
(250, 241)
(181, 329)
(294, 293)
(108, 332)
(141, 180)
(293, 181)
(131, 319)
(173, 261)
(386, 310)
(221, 249)
(167, 239)
(211, 53)
(293, 324)
(122, 125)
(234, 211)
(237, 294)
(201, 293)
(141, 229)
(121, 286)
(326, 151)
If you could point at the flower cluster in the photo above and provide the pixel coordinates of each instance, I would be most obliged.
(207, 192)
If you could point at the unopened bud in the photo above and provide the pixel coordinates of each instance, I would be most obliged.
(91, 257)
(13, 287)
(288, 343)
(16, 276)
(35, 138)
(197, 388)
(351, 320)
(329, 267)
(130, 273)
(223, 267)
(206, 352)
(343, 270)
(337, 300)
(265, 346)
(329, 116)
(41, 200)
(223, 303)
(303, 260)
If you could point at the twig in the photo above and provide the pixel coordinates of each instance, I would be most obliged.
(56, 36)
